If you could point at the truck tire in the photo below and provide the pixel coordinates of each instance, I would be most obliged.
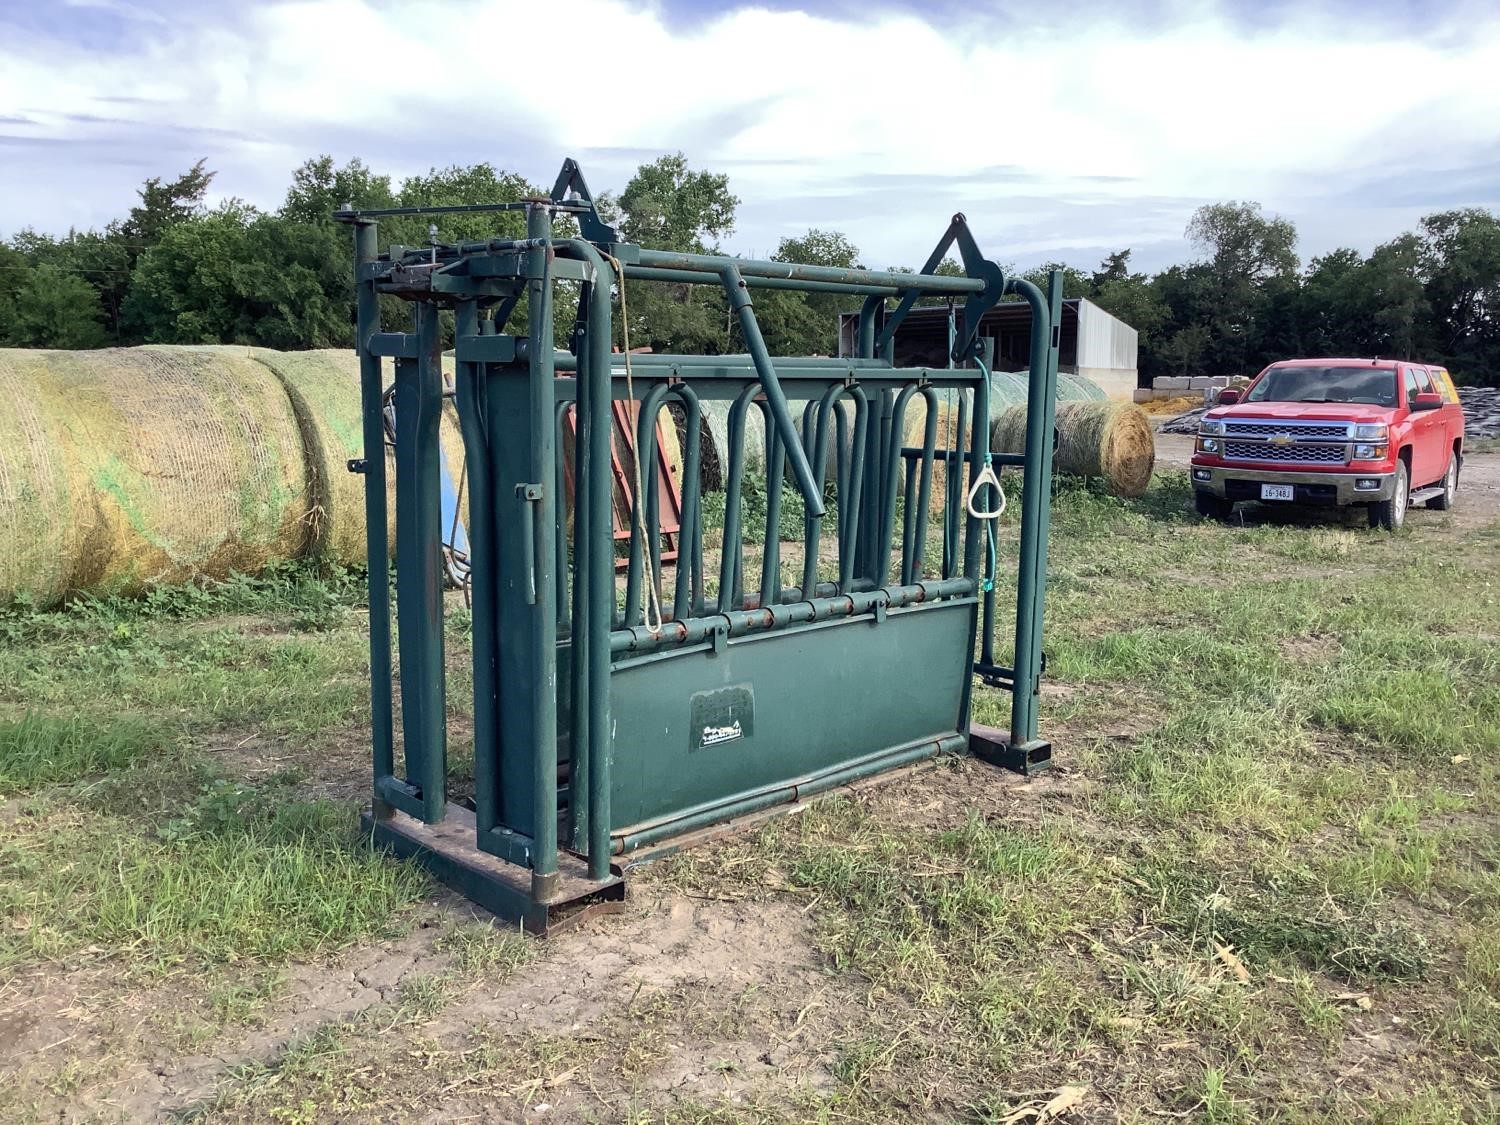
(1389, 515)
(1450, 486)
(1213, 507)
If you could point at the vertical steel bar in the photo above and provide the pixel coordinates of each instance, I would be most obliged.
(377, 547)
(979, 446)
(770, 574)
(731, 556)
(919, 501)
(419, 569)
(987, 613)
(560, 515)
(600, 565)
(469, 395)
(581, 763)
(1034, 516)
(890, 472)
(816, 423)
(542, 382)
(851, 505)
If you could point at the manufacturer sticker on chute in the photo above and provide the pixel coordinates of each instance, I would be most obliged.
(722, 715)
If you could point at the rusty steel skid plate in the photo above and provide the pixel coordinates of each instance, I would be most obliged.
(447, 851)
(993, 745)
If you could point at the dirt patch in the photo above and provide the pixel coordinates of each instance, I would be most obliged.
(1309, 650)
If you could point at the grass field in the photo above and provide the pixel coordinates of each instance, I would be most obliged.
(1261, 883)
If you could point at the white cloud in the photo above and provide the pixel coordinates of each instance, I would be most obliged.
(1109, 131)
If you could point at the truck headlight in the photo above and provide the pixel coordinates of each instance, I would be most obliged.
(1370, 431)
(1370, 452)
(1208, 445)
(1213, 426)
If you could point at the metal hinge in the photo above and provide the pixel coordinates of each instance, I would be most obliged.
(358, 465)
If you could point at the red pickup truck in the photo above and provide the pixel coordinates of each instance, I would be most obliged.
(1381, 433)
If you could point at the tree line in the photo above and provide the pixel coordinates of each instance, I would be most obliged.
(176, 271)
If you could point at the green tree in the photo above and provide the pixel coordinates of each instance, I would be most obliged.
(1244, 251)
(795, 323)
(319, 188)
(666, 206)
(184, 289)
(52, 308)
(1076, 283)
(164, 205)
(1460, 255)
(294, 288)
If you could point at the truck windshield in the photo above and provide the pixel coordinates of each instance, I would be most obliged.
(1373, 385)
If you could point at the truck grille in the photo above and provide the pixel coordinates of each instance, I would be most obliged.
(1339, 431)
(1300, 454)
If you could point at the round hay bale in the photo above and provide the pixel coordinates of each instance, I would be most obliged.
(323, 386)
(38, 534)
(179, 464)
(1112, 440)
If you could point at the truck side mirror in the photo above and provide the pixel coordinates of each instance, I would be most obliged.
(1427, 400)
(1229, 396)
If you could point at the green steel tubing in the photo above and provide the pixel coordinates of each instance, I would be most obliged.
(377, 548)
(643, 835)
(469, 394)
(979, 445)
(560, 526)
(419, 572)
(892, 469)
(731, 555)
(597, 551)
(1035, 504)
(770, 572)
(541, 500)
(579, 630)
(837, 275)
(645, 533)
(709, 277)
(806, 611)
(987, 604)
(865, 346)
(739, 300)
(850, 455)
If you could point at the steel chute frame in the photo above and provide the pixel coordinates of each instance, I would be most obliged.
(599, 731)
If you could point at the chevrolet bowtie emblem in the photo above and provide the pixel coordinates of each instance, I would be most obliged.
(1282, 439)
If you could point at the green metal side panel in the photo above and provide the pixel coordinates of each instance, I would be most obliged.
(698, 726)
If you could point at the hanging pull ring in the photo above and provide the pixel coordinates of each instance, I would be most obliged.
(986, 477)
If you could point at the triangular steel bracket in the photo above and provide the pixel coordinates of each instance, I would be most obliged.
(570, 181)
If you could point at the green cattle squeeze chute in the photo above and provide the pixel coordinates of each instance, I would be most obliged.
(609, 725)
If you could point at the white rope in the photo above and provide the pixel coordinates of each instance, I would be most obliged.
(651, 595)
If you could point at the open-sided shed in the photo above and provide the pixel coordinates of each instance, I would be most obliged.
(1095, 344)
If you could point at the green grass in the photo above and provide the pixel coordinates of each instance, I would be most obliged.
(1260, 885)
(46, 749)
(244, 874)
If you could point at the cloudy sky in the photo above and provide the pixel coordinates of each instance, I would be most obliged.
(1062, 130)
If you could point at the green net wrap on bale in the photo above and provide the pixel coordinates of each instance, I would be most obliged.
(323, 387)
(139, 466)
(1111, 440)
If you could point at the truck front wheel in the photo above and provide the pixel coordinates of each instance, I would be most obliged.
(1390, 514)
(1212, 507)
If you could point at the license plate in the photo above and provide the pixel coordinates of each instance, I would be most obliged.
(1275, 492)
